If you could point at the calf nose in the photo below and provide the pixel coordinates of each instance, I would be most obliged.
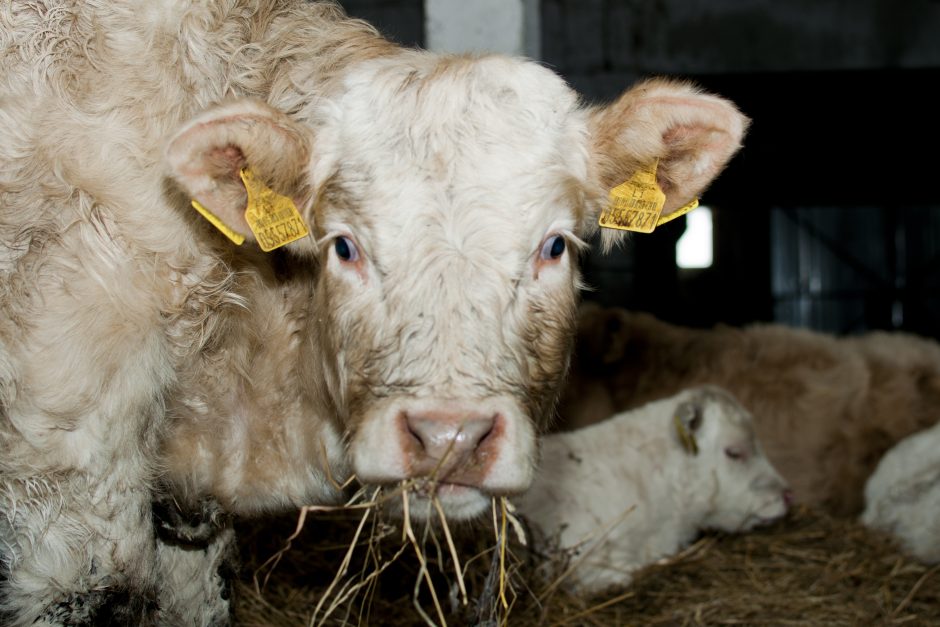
(449, 445)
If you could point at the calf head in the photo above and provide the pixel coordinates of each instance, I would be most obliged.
(447, 197)
(732, 485)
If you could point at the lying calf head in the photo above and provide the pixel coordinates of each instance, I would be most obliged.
(446, 197)
(734, 486)
(639, 486)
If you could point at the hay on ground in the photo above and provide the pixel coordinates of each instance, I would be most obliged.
(809, 569)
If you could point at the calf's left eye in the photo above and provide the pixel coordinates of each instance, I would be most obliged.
(553, 248)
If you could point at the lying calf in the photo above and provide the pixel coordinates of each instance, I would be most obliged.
(627, 491)
(826, 408)
(902, 497)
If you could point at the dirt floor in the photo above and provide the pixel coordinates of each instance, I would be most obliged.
(809, 569)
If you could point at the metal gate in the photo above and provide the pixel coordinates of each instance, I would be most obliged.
(847, 270)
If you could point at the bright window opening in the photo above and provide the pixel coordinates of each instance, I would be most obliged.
(694, 248)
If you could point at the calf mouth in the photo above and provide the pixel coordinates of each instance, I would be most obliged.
(460, 492)
(773, 510)
(429, 488)
(426, 498)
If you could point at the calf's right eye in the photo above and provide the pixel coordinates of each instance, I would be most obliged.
(735, 453)
(345, 249)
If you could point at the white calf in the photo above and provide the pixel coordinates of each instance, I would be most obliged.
(638, 487)
(902, 497)
(429, 314)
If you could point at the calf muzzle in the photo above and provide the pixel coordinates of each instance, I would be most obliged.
(449, 446)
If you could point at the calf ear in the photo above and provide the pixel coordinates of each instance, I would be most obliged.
(687, 421)
(206, 155)
(691, 133)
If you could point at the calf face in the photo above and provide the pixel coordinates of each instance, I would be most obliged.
(446, 197)
(737, 487)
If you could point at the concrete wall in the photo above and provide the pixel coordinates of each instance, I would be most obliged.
(477, 26)
(508, 26)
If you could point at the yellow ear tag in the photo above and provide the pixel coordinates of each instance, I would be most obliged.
(273, 218)
(685, 437)
(637, 204)
(238, 238)
(681, 211)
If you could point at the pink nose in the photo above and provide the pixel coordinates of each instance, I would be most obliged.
(788, 497)
(451, 446)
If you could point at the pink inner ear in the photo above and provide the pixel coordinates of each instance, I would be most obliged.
(691, 146)
(704, 138)
(680, 134)
(224, 161)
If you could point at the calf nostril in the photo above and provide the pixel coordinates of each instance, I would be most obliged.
(473, 432)
(489, 432)
(415, 433)
(788, 497)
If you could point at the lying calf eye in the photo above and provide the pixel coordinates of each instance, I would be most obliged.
(345, 249)
(732, 452)
(553, 248)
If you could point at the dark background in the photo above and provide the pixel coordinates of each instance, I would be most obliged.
(829, 218)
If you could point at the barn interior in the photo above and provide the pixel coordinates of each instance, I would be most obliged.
(826, 220)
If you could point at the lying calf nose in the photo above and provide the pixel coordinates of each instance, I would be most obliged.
(452, 445)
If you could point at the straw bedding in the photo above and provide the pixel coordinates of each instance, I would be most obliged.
(809, 569)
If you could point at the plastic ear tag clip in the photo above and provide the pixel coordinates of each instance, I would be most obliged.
(685, 436)
(273, 218)
(637, 204)
(213, 219)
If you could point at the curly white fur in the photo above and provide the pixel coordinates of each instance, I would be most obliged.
(138, 347)
(902, 497)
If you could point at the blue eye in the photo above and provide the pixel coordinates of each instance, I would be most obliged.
(553, 248)
(345, 249)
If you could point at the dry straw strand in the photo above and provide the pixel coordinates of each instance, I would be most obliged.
(453, 551)
(914, 589)
(423, 572)
(343, 568)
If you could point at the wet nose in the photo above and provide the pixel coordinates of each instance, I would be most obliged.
(446, 444)
(788, 497)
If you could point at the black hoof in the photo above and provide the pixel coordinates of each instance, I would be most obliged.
(112, 607)
(192, 527)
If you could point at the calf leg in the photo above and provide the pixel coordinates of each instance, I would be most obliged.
(77, 561)
(196, 560)
(80, 419)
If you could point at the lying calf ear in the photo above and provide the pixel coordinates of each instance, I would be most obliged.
(207, 155)
(692, 135)
(687, 420)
